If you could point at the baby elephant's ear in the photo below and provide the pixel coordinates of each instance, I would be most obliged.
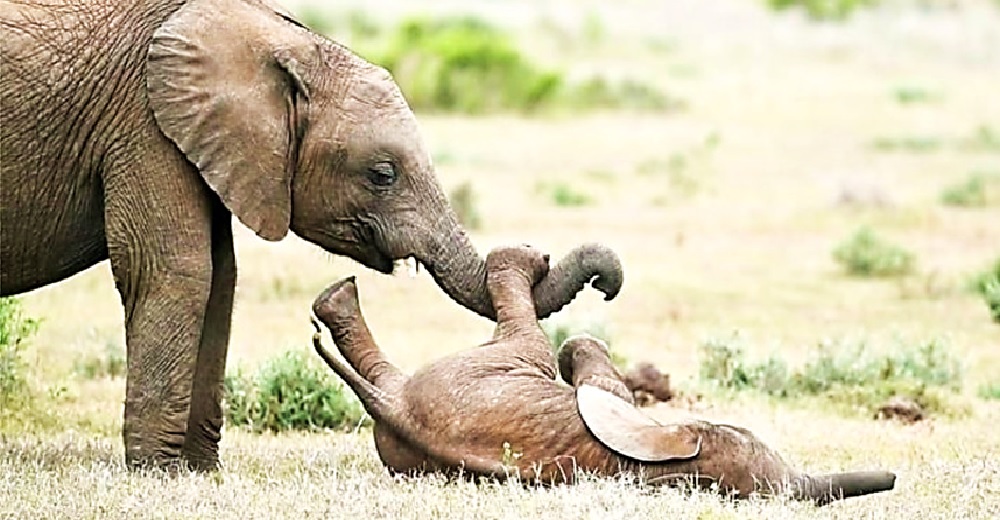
(625, 430)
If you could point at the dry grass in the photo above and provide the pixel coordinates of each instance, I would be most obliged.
(795, 108)
(945, 471)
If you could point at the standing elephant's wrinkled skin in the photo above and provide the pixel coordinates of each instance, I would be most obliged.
(498, 409)
(134, 130)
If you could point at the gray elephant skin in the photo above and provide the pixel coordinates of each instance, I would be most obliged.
(134, 130)
(499, 410)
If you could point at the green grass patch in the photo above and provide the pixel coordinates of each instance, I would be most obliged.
(979, 189)
(15, 331)
(464, 65)
(627, 94)
(290, 392)
(989, 391)
(823, 10)
(867, 254)
(564, 194)
(987, 285)
(910, 144)
(685, 170)
(850, 377)
(912, 95)
(109, 364)
(467, 65)
(984, 138)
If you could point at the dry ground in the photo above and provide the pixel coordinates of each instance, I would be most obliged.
(795, 108)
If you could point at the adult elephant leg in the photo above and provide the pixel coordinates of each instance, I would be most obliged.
(158, 223)
(201, 442)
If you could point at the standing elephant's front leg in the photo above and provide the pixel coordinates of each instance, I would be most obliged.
(201, 442)
(159, 236)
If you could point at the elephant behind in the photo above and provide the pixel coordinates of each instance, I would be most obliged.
(498, 409)
(133, 130)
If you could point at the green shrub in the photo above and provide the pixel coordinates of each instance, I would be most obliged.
(823, 9)
(991, 295)
(110, 365)
(978, 190)
(290, 392)
(464, 65)
(987, 285)
(15, 330)
(463, 201)
(559, 330)
(684, 170)
(990, 391)
(912, 144)
(867, 254)
(846, 375)
(983, 139)
(563, 194)
(599, 92)
(909, 95)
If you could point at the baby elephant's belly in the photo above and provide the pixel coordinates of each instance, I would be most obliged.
(398, 455)
(530, 423)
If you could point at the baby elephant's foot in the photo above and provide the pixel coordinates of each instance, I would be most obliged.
(586, 360)
(524, 258)
(337, 303)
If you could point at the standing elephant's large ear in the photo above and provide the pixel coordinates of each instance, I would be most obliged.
(630, 433)
(225, 86)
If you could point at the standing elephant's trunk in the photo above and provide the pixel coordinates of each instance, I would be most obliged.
(460, 271)
(823, 489)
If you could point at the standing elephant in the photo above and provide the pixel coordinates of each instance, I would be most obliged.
(134, 129)
(498, 410)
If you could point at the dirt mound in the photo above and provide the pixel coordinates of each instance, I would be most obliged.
(648, 385)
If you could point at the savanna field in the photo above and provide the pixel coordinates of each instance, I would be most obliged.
(807, 207)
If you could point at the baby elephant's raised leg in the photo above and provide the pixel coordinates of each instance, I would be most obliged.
(338, 308)
(511, 272)
(586, 360)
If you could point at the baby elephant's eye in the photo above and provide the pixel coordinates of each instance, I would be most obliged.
(382, 174)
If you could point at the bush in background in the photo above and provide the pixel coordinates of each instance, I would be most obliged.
(15, 330)
(987, 285)
(110, 364)
(467, 65)
(990, 391)
(290, 392)
(977, 190)
(847, 375)
(867, 254)
(563, 194)
(823, 9)
(464, 65)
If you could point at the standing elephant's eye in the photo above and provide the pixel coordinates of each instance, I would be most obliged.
(382, 174)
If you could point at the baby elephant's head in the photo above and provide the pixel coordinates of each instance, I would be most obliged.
(524, 259)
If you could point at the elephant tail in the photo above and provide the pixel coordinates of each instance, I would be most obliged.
(823, 489)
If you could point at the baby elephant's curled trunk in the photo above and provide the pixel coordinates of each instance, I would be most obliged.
(823, 489)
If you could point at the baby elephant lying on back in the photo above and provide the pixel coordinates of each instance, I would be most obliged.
(498, 410)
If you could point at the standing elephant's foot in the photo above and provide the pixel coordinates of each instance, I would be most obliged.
(149, 448)
(201, 453)
(172, 454)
